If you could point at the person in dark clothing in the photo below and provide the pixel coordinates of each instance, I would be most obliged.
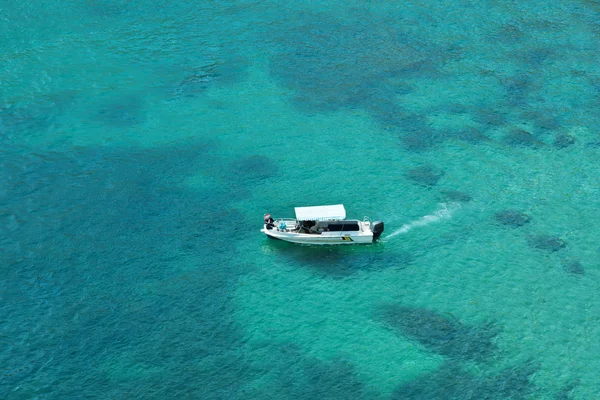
(269, 221)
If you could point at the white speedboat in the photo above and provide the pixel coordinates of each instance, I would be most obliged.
(322, 225)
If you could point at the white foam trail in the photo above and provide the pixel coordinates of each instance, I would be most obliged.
(444, 212)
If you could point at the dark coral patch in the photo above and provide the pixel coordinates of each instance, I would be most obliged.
(391, 116)
(14, 120)
(104, 234)
(509, 33)
(426, 139)
(426, 175)
(253, 168)
(443, 334)
(538, 57)
(455, 195)
(593, 145)
(563, 140)
(512, 218)
(123, 112)
(417, 135)
(106, 9)
(518, 88)
(572, 266)
(470, 135)
(35, 116)
(545, 122)
(522, 138)
(490, 117)
(298, 375)
(548, 243)
(332, 63)
(451, 382)
(566, 392)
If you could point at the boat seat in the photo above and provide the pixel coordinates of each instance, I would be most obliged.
(315, 229)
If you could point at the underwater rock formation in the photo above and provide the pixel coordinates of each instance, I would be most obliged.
(443, 334)
(470, 135)
(512, 218)
(565, 392)
(118, 222)
(423, 140)
(455, 195)
(548, 243)
(593, 145)
(295, 374)
(253, 168)
(489, 117)
(522, 138)
(563, 140)
(572, 266)
(451, 382)
(426, 175)
(518, 87)
(122, 112)
(334, 63)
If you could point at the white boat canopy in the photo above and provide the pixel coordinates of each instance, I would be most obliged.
(321, 213)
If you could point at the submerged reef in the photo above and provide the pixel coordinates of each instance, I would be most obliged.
(518, 88)
(513, 218)
(122, 112)
(455, 195)
(566, 392)
(489, 117)
(469, 135)
(548, 243)
(295, 374)
(252, 169)
(563, 140)
(572, 266)
(522, 138)
(443, 334)
(422, 140)
(332, 63)
(427, 175)
(452, 382)
(103, 237)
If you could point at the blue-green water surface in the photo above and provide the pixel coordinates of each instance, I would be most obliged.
(141, 142)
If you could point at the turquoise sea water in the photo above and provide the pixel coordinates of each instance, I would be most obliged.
(141, 143)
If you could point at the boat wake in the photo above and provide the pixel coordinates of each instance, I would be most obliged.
(444, 212)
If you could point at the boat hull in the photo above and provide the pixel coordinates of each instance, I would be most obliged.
(325, 238)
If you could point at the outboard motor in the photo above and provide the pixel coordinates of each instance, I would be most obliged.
(377, 229)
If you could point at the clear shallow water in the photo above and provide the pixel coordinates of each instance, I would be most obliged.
(129, 132)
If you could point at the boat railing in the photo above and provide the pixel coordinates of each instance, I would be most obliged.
(289, 224)
(366, 223)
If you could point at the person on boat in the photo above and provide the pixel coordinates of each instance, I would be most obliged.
(269, 221)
